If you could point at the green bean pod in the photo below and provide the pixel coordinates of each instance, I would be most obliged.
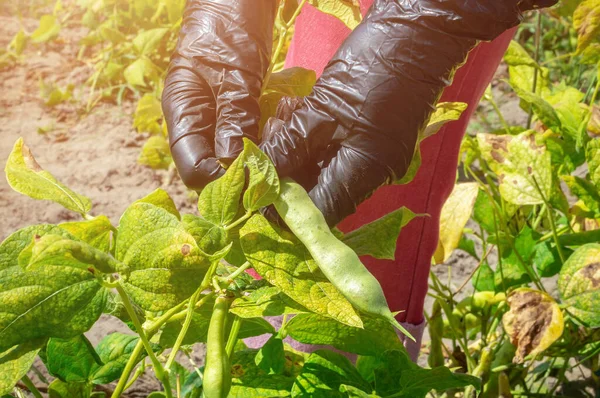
(217, 372)
(338, 262)
(436, 333)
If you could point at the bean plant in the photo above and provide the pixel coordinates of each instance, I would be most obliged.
(526, 209)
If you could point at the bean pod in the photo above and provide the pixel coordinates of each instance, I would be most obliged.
(338, 262)
(217, 372)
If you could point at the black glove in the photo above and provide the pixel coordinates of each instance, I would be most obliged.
(210, 99)
(362, 120)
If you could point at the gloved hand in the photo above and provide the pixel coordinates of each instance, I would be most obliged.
(362, 120)
(210, 99)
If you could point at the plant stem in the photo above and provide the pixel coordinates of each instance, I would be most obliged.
(31, 387)
(184, 328)
(140, 370)
(538, 32)
(229, 278)
(559, 248)
(158, 368)
(122, 385)
(238, 221)
(232, 339)
(183, 313)
(164, 318)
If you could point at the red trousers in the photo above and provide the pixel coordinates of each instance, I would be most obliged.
(404, 280)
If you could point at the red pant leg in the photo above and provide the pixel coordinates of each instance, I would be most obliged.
(404, 280)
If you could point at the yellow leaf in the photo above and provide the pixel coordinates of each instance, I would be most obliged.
(347, 11)
(586, 21)
(455, 214)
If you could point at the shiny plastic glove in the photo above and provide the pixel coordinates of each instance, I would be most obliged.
(362, 120)
(210, 99)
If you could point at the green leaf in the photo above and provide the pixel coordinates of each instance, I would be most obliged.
(49, 29)
(166, 265)
(516, 55)
(546, 260)
(54, 95)
(293, 82)
(26, 176)
(60, 389)
(192, 386)
(541, 108)
(280, 258)
(453, 219)
(354, 392)
(160, 198)
(156, 153)
(483, 278)
(570, 109)
(55, 250)
(198, 330)
(148, 114)
(145, 43)
(72, 360)
(592, 155)
(586, 21)
(580, 238)
(250, 381)
(398, 374)
(521, 165)
(483, 212)
(95, 232)
(346, 11)
(114, 351)
(586, 191)
(110, 34)
(219, 200)
(271, 357)
(376, 337)
(139, 71)
(511, 272)
(210, 237)
(378, 238)
(18, 43)
(15, 363)
(266, 301)
(263, 187)
(323, 374)
(579, 284)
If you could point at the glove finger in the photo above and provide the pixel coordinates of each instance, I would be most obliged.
(189, 107)
(348, 180)
(244, 32)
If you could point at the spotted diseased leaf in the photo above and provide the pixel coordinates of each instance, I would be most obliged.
(156, 153)
(592, 155)
(280, 258)
(445, 112)
(378, 238)
(376, 337)
(455, 214)
(220, 200)
(586, 21)
(522, 166)
(347, 11)
(165, 263)
(263, 187)
(323, 374)
(15, 363)
(26, 176)
(72, 295)
(533, 322)
(579, 284)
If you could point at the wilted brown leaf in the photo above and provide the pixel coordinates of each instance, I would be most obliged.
(533, 323)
